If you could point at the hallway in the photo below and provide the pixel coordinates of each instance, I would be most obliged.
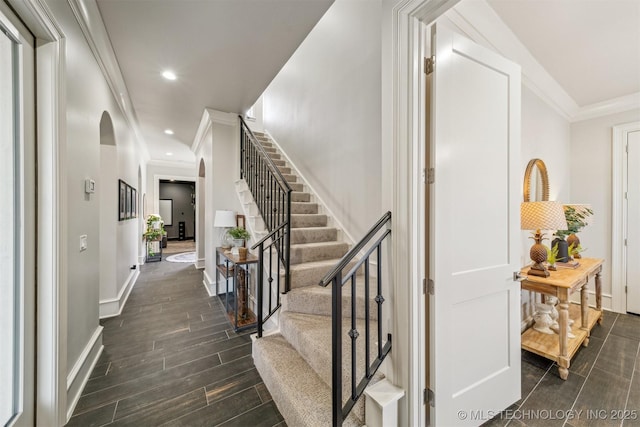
(171, 358)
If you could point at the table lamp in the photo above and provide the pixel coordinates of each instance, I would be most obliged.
(224, 220)
(541, 216)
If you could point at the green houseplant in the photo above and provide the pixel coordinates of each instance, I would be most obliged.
(577, 218)
(552, 256)
(154, 232)
(239, 235)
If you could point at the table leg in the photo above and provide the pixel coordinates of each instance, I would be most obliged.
(599, 295)
(584, 306)
(242, 293)
(563, 322)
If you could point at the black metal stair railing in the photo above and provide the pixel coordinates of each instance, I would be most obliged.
(272, 195)
(337, 277)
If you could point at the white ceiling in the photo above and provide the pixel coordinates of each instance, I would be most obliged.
(590, 47)
(226, 52)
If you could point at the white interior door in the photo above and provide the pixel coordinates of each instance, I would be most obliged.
(633, 222)
(475, 235)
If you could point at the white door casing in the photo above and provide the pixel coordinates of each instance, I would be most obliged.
(474, 231)
(17, 199)
(633, 222)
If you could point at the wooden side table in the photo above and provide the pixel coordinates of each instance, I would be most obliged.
(562, 284)
(236, 299)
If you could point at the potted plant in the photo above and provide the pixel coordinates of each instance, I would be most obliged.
(577, 218)
(154, 232)
(239, 235)
(552, 257)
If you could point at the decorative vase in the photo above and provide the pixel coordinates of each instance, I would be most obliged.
(542, 317)
(237, 243)
(563, 249)
(242, 253)
(572, 239)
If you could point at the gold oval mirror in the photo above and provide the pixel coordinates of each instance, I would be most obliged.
(536, 182)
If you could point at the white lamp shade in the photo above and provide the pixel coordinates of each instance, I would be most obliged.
(542, 216)
(224, 219)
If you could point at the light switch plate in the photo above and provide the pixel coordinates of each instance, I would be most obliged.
(89, 186)
(83, 242)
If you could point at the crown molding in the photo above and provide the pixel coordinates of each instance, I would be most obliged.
(90, 21)
(171, 164)
(209, 117)
(612, 106)
(478, 21)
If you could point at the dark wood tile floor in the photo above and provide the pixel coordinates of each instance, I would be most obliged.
(172, 358)
(603, 388)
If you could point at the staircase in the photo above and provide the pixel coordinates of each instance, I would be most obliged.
(296, 362)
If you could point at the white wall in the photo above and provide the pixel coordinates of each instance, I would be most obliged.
(590, 173)
(323, 109)
(87, 95)
(165, 170)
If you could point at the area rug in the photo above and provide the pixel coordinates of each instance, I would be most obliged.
(183, 257)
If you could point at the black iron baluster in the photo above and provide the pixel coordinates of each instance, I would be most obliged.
(367, 320)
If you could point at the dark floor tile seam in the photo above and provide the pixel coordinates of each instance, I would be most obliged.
(244, 412)
(633, 374)
(522, 402)
(595, 360)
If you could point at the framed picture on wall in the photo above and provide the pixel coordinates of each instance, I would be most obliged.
(122, 197)
(127, 214)
(134, 203)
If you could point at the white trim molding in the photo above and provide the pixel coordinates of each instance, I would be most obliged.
(114, 306)
(619, 214)
(209, 284)
(209, 117)
(81, 370)
(612, 106)
(402, 126)
(90, 21)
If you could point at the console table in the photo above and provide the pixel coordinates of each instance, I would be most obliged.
(235, 300)
(561, 284)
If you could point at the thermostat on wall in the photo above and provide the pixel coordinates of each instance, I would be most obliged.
(89, 186)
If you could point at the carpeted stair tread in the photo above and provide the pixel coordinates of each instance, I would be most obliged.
(299, 196)
(313, 234)
(306, 252)
(308, 220)
(310, 335)
(317, 300)
(310, 273)
(301, 396)
(304, 208)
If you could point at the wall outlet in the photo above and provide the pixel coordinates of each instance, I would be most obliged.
(83, 242)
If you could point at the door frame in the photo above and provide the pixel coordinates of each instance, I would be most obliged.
(51, 279)
(404, 192)
(619, 214)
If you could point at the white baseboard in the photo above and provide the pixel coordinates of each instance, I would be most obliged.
(200, 263)
(209, 284)
(81, 370)
(113, 307)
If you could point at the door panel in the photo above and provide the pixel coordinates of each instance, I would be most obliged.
(475, 209)
(633, 223)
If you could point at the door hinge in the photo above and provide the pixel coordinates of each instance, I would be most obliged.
(625, 242)
(431, 287)
(429, 397)
(626, 195)
(429, 64)
(431, 176)
(625, 289)
(626, 148)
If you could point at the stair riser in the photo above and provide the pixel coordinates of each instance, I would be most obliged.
(313, 235)
(297, 196)
(295, 332)
(304, 208)
(301, 221)
(319, 303)
(318, 253)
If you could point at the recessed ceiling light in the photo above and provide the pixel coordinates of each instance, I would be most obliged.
(169, 75)
(168, 153)
(168, 131)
